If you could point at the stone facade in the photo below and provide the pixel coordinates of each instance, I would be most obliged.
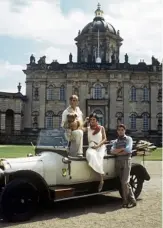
(114, 94)
(118, 92)
(11, 113)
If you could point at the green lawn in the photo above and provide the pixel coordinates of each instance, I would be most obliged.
(12, 151)
(155, 155)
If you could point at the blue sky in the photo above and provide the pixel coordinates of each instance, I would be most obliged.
(48, 27)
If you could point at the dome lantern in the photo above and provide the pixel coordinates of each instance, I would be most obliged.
(98, 12)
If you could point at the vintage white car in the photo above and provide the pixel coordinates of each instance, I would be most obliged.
(52, 175)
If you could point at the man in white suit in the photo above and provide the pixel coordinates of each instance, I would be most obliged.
(74, 137)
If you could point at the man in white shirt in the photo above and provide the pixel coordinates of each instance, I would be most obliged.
(73, 108)
(76, 136)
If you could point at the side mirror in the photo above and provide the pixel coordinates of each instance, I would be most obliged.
(65, 160)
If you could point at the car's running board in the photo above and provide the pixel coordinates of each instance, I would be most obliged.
(84, 196)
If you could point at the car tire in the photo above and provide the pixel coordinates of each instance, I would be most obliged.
(136, 183)
(19, 201)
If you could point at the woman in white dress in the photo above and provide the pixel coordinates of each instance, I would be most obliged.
(96, 150)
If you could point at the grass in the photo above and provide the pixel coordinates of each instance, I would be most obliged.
(14, 151)
(156, 155)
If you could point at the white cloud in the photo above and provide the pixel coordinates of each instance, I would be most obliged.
(139, 23)
(10, 76)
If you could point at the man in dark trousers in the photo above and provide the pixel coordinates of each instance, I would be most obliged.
(122, 148)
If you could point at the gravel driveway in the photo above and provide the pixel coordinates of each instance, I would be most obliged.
(105, 211)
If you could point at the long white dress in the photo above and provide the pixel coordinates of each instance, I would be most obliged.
(95, 156)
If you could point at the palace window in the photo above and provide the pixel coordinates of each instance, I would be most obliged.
(60, 118)
(62, 93)
(145, 117)
(50, 93)
(133, 93)
(133, 121)
(49, 120)
(97, 93)
(145, 94)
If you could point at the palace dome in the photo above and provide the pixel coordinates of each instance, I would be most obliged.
(98, 24)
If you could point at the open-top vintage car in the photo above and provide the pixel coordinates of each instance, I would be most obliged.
(53, 175)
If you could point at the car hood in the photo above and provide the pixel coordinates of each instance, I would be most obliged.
(34, 163)
(22, 160)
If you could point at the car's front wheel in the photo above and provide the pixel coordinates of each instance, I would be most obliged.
(19, 200)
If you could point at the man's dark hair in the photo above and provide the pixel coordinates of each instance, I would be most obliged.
(94, 115)
(121, 125)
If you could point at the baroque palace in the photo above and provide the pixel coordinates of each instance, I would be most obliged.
(118, 92)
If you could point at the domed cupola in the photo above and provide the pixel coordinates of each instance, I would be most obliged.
(98, 39)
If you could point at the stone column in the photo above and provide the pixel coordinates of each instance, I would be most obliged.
(83, 91)
(89, 110)
(126, 101)
(69, 92)
(112, 95)
(42, 99)
(154, 104)
(17, 122)
(106, 117)
(3, 122)
(28, 106)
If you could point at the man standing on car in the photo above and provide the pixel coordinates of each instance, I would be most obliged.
(75, 137)
(122, 148)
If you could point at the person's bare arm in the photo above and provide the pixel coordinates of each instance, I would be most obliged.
(122, 153)
(114, 150)
(128, 149)
(85, 122)
(84, 129)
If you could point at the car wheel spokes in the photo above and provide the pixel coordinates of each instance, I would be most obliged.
(134, 182)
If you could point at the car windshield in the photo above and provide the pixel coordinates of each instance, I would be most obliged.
(54, 138)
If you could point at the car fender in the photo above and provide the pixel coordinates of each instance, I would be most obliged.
(35, 178)
(141, 171)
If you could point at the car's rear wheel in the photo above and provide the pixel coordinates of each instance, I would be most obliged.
(19, 201)
(136, 183)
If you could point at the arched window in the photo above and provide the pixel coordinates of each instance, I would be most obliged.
(49, 120)
(145, 94)
(133, 117)
(159, 121)
(133, 93)
(9, 123)
(62, 93)
(100, 116)
(145, 117)
(97, 93)
(50, 93)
